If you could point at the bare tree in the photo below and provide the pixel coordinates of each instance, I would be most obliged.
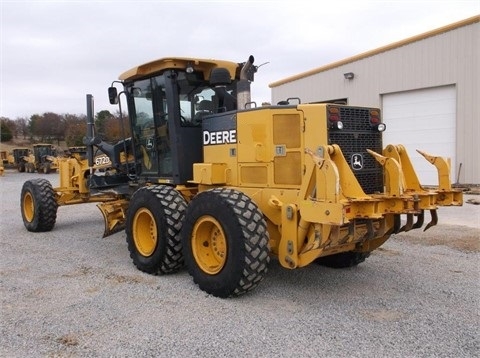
(47, 127)
(75, 129)
(22, 127)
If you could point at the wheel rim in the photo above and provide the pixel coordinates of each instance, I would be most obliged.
(28, 208)
(209, 245)
(145, 232)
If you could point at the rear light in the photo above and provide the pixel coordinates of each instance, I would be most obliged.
(375, 121)
(333, 117)
(374, 117)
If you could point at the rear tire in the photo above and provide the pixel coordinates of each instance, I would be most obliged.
(225, 242)
(343, 259)
(38, 205)
(154, 218)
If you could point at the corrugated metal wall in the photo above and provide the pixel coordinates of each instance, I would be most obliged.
(439, 58)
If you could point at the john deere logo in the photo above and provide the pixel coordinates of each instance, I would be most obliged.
(356, 161)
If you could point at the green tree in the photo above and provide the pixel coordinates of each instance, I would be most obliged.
(101, 120)
(35, 126)
(5, 131)
(55, 126)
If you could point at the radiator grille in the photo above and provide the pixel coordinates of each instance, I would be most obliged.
(354, 139)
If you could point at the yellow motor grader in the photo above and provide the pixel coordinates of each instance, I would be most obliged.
(19, 158)
(43, 159)
(3, 161)
(221, 185)
(3, 157)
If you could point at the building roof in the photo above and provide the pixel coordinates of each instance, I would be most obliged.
(379, 50)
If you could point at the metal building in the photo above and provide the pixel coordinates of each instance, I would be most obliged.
(427, 87)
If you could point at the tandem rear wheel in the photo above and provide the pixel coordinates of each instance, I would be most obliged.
(225, 242)
(221, 236)
(154, 218)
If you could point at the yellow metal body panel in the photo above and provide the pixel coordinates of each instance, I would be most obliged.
(210, 173)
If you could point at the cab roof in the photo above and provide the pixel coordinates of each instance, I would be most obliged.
(203, 65)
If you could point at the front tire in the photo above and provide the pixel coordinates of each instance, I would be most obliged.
(154, 218)
(225, 242)
(38, 205)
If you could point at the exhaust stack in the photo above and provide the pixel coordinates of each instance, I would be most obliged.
(243, 86)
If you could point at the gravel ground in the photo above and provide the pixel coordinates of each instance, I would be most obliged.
(71, 293)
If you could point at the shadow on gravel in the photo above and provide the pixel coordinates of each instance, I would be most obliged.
(462, 238)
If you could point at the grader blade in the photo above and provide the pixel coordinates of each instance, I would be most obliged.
(113, 215)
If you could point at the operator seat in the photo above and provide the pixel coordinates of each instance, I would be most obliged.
(219, 79)
(204, 108)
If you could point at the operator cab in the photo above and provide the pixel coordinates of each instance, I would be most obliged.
(41, 151)
(167, 101)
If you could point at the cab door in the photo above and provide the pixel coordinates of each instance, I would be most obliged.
(150, 128)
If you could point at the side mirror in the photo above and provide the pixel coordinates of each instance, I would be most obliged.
(112, 95)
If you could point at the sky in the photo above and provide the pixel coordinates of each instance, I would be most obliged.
(54, 53)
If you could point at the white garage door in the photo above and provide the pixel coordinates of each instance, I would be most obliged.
(423, 119)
